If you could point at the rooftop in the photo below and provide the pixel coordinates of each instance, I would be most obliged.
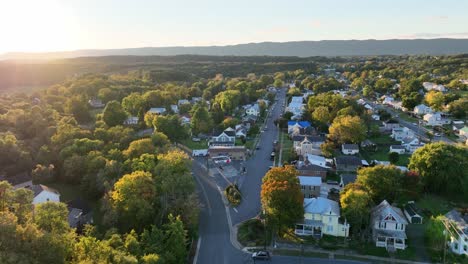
(321, 205)
(310, 180)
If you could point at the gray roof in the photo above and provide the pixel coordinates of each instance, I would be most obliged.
(351, 146)
(384, 209)
(458, 219)
(348, 178)
(397, 147)
(348, 160)
(309, 138)
(37, 189)
(391, 233)
(321, 205)
(412, 209)
(311, 167)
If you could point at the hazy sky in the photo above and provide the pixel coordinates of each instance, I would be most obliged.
(52, 25)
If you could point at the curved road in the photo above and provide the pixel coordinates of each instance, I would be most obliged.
(215, 243)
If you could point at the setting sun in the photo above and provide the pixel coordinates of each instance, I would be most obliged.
(36, 26)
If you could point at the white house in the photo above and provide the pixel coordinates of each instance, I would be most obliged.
(226, 138)
(310, 186)
(458, 240)
(175, 109)
(183, 101)
(322, 216)
(317, 160)
(43, 194)
(398, 149)
(422, 109)
(387, 100)
(350, 149)
(308, 144)
(400, 133)
(131, 120)
(241, 131)
(388, 226)
(412, 144)
(253, 110)
(185, 120)
(157, 110)
(436, 119)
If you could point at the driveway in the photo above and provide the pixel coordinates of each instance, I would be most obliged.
(415, 234)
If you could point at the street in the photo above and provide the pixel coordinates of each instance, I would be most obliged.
(216, 238)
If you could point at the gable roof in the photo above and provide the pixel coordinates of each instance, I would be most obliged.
(300, 123)
(37, 189)
(384, 209)
(310, 180)
(458, 219)
(348, 178)
(348, 160)
(412, 209)
(351, 146)
(321, 205)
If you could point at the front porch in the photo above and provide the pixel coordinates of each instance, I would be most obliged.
(391, 242)
(309, 228)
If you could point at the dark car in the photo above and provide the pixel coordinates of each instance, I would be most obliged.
(261, 255)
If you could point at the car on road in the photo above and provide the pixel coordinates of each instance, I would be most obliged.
(272, 156)
(261, 255)
(257, 147)
(437, 134)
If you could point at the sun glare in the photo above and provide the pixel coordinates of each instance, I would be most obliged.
(35, 26)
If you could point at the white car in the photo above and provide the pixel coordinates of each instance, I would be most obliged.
(221, 160)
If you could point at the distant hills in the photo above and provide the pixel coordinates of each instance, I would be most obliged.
(293, 48)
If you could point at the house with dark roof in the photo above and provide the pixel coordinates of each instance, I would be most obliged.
(400, 149)
(413, 213)
(388, 226)
(347, 163)
(225, 138)
(350, 149)
(79, 214)
(307, 169)
(347, 178)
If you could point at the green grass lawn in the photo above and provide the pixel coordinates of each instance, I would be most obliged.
(434, 205)
(203, 144)
(252, 233)
(286, 147)
(383, 143)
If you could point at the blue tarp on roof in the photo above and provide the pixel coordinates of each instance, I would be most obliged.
(301, 123)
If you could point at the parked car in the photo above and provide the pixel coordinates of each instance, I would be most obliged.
(437, 134)
(221, 160)
(257, 147)
(195, 139)
(261, 255)
(272, 156)
(332, 182)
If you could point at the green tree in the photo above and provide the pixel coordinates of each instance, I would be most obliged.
(170, 126)
(139, 147)
(459, 108)
(78, 107)
(443, 168)
(201, 121)
(321, 114)
(278, 83)
(228, 100)
(347, 129)
(355, 202)
(434, 235)
(281, 197)
(133, 198)
(381, 182)
(435, 100)
(393, 157)
(114, 114)
(133, 103)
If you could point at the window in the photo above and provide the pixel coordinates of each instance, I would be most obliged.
(329, 218)
(330, 228)
(465, 248)
(455, 245)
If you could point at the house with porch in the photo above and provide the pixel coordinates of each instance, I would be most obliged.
(388, 226)
(225, 138)
(304, 145)
(400, 149)
(322, 216)
(253, 110)
(400, 133)
(422, 109)
(436, 119)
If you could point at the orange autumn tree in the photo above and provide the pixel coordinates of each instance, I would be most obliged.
(281, 197)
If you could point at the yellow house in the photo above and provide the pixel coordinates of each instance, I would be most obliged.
(322, 216)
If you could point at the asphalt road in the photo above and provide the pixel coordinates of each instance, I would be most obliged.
(214, 245)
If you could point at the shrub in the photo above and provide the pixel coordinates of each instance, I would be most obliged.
(233, 194)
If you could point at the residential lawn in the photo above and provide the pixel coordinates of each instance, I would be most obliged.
(409, 253)
(203, 144)
(406, 117)
(433, 205)
(286, 147)
(383, 143)
(250, 144)
(70, 192)
(251, 233)
(369, 249)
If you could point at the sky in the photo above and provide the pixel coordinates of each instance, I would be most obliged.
(59, 25)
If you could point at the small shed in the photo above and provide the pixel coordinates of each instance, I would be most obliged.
(413, 214)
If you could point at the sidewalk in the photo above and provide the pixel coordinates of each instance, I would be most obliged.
(336, 254)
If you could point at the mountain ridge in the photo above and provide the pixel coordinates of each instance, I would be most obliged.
(440, 46)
